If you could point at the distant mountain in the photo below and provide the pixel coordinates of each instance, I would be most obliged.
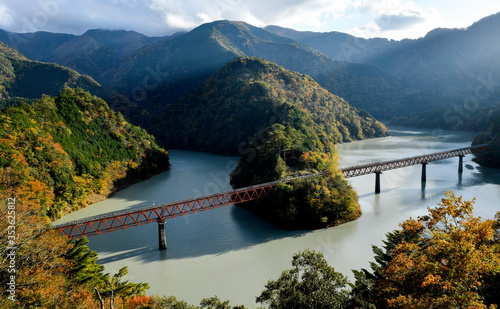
(446, 62)
(22, 78)
(451, 61)
(249, 95)
(173, 67)
(96, 52)
(340, 46)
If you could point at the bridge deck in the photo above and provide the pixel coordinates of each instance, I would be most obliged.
(129, 218)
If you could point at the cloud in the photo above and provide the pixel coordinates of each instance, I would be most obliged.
(5, 17)
(257, 12)
(397, 19)
(397, 14)
(398, 22)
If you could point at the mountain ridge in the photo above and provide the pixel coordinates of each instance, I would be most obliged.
(249, 94)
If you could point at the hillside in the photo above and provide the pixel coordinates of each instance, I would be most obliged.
(69, 149)
(248, 95)
(447, 62)
(391, 79)
(340, 46)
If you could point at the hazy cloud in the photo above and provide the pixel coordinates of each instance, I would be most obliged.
(155, 17)
(367, 18)
(398, 22)
(392, 18)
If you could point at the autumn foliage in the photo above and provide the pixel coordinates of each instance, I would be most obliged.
(56, 155)
(446, 259)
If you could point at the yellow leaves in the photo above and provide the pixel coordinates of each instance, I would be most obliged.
(443, 258)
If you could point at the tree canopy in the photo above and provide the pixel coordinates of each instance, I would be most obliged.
(310, 283)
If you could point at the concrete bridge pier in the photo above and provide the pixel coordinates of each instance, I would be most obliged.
(460, 164)
(162, 237)
(424, 172)
(377, 182)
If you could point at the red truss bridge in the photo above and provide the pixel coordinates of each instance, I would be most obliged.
(160, 213)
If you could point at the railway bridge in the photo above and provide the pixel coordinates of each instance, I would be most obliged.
(161, 213)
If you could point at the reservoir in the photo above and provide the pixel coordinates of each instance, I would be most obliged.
(230, 253)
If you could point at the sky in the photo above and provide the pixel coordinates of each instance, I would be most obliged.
(393, 19)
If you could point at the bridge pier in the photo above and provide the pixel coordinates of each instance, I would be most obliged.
(162, 237)
(460, 164)
(377, 182)
(424, 172)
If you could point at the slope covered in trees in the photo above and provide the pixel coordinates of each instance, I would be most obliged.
(185, 61)
(248, 95)
(154, 72)
(63, 150)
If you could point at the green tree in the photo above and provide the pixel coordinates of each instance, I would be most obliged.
(117, 286)
(310, 283)
(84, 268)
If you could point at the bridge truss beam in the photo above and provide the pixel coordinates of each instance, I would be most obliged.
(378, 167)
(125, 219)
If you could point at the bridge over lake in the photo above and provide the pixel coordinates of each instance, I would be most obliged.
(161, 213)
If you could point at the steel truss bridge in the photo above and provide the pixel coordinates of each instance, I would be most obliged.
(160, 213)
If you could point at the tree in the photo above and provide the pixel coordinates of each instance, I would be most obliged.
(118, 286)
(447, 259)
(311, 283)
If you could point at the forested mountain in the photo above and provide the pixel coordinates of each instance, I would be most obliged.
(388, 78)
(66, 149)
(24, 78)
(96, 52)
(248, 95)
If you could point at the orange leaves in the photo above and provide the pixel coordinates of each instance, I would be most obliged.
(443, 260)
(431, 279)
(138, 302)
